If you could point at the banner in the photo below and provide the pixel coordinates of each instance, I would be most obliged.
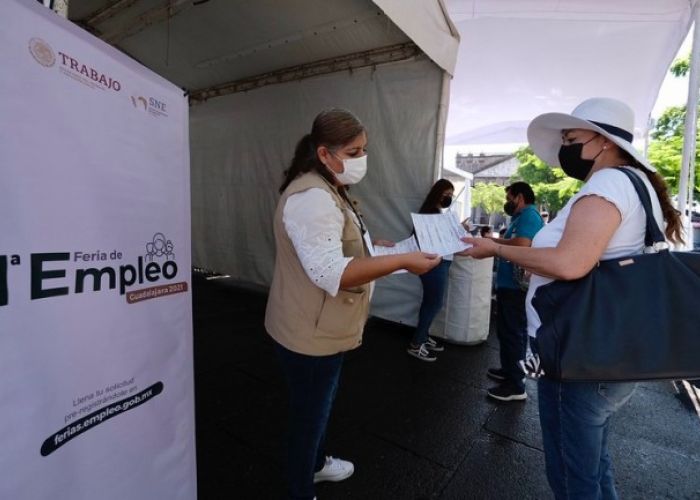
(95, 306)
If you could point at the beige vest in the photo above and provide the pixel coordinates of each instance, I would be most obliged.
(300, 315)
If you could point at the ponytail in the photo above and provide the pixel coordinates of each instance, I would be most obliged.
(674, 226)
(332, 128)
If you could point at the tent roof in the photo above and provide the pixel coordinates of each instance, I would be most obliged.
(207, 43)
(520, 58)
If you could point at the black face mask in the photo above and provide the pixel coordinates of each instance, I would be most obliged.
(446, 201)
(571, 162)
(509, 208)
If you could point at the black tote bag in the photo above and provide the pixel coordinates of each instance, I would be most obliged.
(632, 318)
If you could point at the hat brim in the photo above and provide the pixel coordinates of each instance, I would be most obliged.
(544, 136)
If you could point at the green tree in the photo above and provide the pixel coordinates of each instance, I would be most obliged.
(680, 67)
(666, 148)
(670, 123)
(489, 196)
(552, 187)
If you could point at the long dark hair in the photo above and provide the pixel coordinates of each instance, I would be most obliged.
(332, 128)
(674, 226)
(431, 204)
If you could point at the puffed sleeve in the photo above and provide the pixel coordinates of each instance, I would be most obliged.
(315, 226)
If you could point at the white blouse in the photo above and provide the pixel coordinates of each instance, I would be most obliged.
(315, 226)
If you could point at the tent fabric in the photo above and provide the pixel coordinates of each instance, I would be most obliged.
(211, 43)
(549, 55)
(241, 144)
(428, 25)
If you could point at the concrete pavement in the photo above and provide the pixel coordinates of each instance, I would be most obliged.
(414, 430)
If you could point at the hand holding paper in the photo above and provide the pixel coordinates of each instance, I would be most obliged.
(439, 233)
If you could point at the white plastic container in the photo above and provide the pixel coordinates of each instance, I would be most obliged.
(464, 318)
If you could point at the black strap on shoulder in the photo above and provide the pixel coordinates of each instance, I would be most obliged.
(653, 233)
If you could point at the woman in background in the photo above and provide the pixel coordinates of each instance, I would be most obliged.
(434, 282)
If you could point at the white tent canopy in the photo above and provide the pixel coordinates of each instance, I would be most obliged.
(520, 58)
(258, 72)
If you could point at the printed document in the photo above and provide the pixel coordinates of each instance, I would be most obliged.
(404, 246)
(439, 233)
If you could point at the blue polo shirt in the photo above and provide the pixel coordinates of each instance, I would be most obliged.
(524, 224)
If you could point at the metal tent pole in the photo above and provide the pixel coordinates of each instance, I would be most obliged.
(691, 116)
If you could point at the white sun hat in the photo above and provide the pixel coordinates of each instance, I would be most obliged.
(609, 117)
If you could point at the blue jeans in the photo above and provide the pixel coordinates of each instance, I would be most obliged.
(511, 329)
(434, 284)
(575, 420)
(312, 382)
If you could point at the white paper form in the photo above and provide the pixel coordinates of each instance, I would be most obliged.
(403, 246)
(439, 233)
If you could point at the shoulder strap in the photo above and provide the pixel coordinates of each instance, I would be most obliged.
(653, 233)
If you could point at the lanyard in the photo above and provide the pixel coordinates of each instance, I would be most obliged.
(351, 203)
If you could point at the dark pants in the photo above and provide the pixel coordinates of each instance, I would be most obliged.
(312, 382)
(434, 285)
(575, 420)
(511, 328)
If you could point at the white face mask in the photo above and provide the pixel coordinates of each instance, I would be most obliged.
(354, 169)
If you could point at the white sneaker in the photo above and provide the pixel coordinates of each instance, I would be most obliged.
(421, 352)
(334, 470)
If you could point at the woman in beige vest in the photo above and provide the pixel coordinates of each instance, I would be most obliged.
(319, 298)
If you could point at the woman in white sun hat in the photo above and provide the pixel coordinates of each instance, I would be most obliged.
(604, 220)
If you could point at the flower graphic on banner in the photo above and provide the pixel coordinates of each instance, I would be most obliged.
(42, 52)
(159, 247)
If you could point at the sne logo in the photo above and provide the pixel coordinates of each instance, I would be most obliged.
(137, 101)
(150, 105)
(42, 52)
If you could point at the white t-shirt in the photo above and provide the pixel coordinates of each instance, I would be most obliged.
(628, 239)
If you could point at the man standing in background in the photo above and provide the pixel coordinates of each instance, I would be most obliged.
(511, 323)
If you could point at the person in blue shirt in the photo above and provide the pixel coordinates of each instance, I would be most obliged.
(511, 322)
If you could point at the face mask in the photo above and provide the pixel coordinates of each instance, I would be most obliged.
(571, 162)
(354, 169)
(509, 207)
(446, 201)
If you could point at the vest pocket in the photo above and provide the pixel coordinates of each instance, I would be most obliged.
(353, 246)
(342, 316)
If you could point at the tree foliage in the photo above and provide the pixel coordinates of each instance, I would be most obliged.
(666, 155)
(666, 148)
(670, 123)
(680, 67)
(552, 187)
(489, 196)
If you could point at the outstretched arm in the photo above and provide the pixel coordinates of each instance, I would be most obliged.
(361, 270)
(591, 224)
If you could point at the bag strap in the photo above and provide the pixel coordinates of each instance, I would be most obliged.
(653, 233)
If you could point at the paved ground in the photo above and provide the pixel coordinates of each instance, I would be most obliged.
(415, 430)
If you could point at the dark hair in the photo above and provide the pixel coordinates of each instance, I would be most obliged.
(431, 204)
(484, 230)
(674, 226)
(522, 188)
(332, 128)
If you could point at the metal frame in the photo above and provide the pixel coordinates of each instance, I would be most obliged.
(350, 62)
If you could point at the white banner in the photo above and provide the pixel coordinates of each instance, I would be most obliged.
(95, 305)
